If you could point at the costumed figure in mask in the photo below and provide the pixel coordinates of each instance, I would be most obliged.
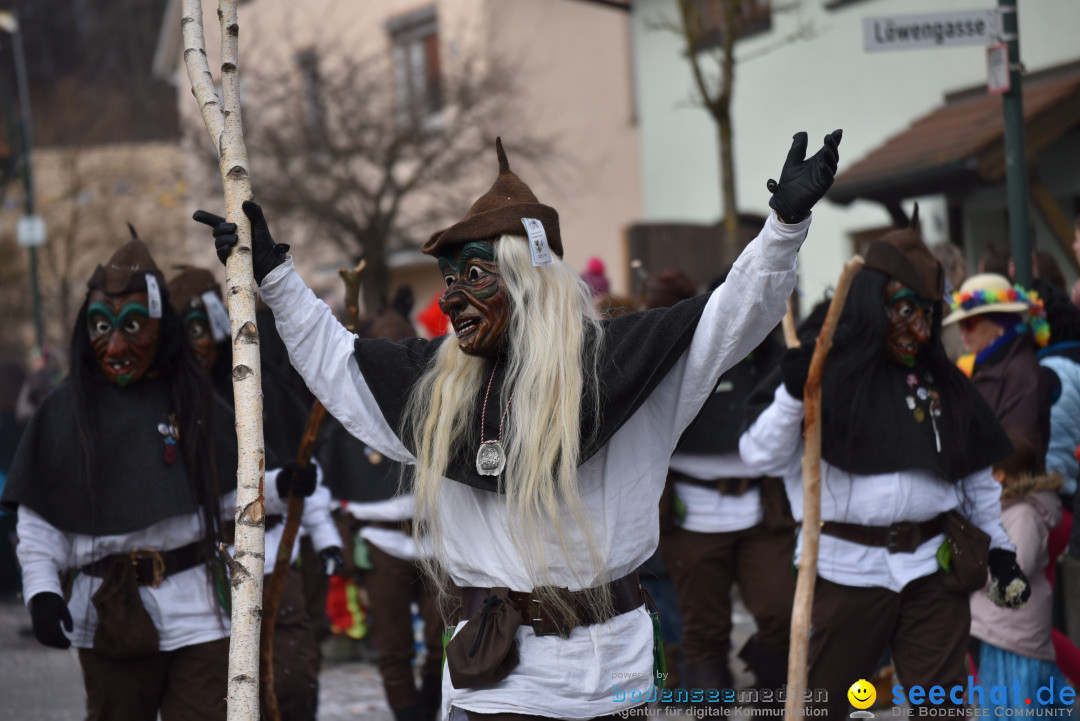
(540, 435)
(196, 296)
(906, 438)
(725, 525)
(122, 480)
(366, 483)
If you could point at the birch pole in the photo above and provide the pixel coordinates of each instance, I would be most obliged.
(226, 132)
(803, 605)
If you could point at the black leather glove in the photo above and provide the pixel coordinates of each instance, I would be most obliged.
(48, 612)
(795, 367)
(266, 254)
(1009, 586)
(804, 182)
(300, 480)
(332, 560)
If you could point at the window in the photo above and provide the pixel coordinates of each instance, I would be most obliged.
(756, 18)
(415, 49)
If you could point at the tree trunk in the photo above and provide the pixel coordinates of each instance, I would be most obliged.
(226, 131)
(727, 181)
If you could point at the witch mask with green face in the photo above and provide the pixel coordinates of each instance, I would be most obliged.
(123, 335)
(475, 298)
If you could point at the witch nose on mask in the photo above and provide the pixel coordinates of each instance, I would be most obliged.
(452, 300)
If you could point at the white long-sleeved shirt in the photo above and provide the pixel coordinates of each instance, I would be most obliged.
(620, 485)
(397, 543)
(184, 608)
(773, 445)
(706, 510)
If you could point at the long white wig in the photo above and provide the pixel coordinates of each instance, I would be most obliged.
(554, 340)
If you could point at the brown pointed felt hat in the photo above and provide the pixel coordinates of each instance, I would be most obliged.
(902, 254)
(126, 270)
(187, 287)
(499, 212)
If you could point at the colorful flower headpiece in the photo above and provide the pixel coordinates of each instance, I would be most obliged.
(968, 300)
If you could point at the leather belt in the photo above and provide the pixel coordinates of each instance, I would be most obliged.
(903, 537)
(150, 566)
(405, 526)
(626, 595)
(725, 486)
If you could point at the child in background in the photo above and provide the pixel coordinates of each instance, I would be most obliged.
(1012, 645)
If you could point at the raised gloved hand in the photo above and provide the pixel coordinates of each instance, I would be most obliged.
(266, 254)
(298, 479)
(1009, 586)
(332, 560)
(804, 182)
(48, 612)
(795, 367)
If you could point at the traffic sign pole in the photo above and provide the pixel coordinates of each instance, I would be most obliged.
(1016, 180)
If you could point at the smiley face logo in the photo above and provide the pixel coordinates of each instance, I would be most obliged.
(862, 694)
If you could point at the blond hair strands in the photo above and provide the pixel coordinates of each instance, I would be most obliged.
(554, 341)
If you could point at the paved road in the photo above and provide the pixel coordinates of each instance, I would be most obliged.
(41, 684)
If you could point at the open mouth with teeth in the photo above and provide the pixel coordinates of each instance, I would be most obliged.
(465, 327)
(121, 370)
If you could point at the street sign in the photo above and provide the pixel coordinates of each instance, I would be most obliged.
(30, 231)
(998, 77)
(930, 30)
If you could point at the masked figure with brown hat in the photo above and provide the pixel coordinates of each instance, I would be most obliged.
(122, 479)
(540, 435)
(906, 438)
(196, 296)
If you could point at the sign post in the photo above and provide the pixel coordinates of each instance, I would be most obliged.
(930, 30)
(995, 29)
(1016, 180)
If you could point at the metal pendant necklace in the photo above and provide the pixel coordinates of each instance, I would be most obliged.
(491, 457)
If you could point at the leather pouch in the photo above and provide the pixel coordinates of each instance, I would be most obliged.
(485, 651)
(964, 555)
(124, 627)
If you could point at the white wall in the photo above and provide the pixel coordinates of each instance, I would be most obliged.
(816, 85)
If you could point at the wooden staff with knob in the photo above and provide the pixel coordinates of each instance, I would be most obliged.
(295, 512)
(803, 604)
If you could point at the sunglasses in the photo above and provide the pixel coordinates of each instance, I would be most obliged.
(969, 324)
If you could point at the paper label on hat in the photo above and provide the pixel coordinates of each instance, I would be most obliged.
(219, 317)
(153, 296)
(538, 242)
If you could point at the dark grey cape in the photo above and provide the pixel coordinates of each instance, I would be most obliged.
(639, 349)
(350, 473)
(134, 487)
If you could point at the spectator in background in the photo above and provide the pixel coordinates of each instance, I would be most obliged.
(1013, 646)
(952, 262)
(994, 261)
(992, 316)
(595, 277)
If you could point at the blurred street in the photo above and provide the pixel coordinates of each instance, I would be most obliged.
(43, 684)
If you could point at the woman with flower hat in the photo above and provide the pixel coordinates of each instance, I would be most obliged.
(1002, 327)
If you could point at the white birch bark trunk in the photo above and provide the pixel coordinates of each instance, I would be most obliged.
(226, 131)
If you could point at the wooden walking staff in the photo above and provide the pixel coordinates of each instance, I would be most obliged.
(811, 523)
(296, 509)
(226, 132)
